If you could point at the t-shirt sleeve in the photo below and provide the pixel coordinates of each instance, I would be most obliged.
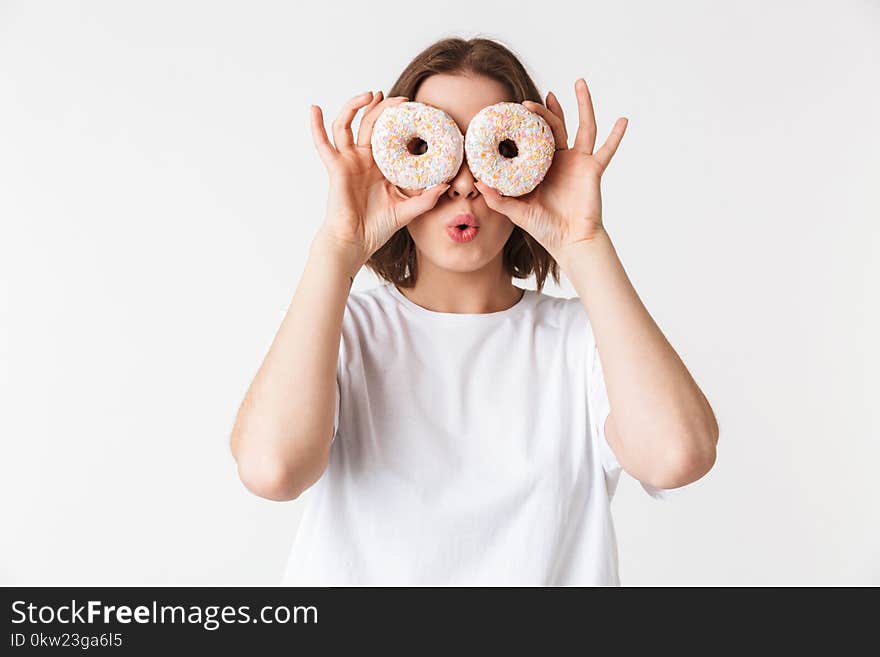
(338, 395)
(600, 408)
(341, 361)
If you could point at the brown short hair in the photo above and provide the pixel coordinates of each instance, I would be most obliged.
(523, 256)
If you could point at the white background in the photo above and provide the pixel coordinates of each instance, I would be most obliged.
(159, 189)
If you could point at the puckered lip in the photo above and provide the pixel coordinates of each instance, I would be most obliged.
(464, 218)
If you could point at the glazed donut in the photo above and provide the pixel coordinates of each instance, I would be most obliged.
(416, 145)
(509, 147)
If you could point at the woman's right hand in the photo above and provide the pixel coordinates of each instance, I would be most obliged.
(363, 208)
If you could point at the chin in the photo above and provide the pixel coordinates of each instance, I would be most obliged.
(460, 262)
(462, 269)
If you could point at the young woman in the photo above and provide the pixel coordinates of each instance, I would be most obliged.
(449, 427)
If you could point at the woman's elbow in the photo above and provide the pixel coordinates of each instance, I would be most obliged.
(694, 461)
(278, 479)
(270, 481)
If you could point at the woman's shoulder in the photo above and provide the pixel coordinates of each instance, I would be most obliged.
(369, 300)
(564, 307)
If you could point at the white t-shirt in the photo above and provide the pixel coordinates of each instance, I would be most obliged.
(469, 449)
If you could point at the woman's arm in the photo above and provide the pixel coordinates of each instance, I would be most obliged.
(663, 431)
(661, 427)
(282, 434)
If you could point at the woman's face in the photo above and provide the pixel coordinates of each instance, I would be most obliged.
(460, 96)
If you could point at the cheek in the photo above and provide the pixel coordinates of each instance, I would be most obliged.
(496, 223)
(501, 232)
(418, 227)
(488, 215)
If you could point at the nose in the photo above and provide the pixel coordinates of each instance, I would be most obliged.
(462, 186)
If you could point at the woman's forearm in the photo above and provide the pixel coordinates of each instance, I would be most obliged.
(663, 423)
(282, 433)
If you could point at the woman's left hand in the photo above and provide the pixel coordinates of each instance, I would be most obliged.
(566, 207)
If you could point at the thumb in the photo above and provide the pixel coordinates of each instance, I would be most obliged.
(512, 208)
(411, 208)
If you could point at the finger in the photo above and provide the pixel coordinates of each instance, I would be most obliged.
(556, 124)
(609, 148)
(365, 130)
(585, 138)
(377, 98)
(319, 135)
(554, 106)
(342, 136)
(411, 208)
(512, 208)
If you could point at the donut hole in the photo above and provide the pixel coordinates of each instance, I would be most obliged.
(508, 148)
(417, 146)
